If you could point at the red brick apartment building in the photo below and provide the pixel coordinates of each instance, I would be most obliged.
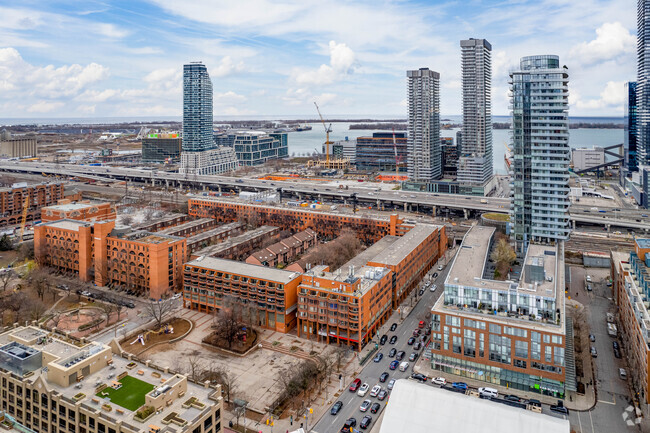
(285, 251)
(78, 210)
(12, 200)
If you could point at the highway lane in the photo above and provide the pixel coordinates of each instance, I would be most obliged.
(372, 370)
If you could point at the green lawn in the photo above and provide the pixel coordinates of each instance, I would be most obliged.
(130, 396)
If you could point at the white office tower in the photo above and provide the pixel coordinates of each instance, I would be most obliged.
(475, 161)
(423, 143)
(539, 175)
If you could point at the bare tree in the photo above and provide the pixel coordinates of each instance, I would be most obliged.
(227, 326)
(6, 278)
(40, 282)
(37, 309)
(119, 309)
(56, 320)
(127, 220)
(220, 374)
(148, 213)
(194, 365)
(158, 311)
(108, 308)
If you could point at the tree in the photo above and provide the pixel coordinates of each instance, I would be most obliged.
(119, 309)
(219, 374)
(6, 278)
(194, 365)
(127, 220)
(5, 243)
(158, 311)
(108, 308)
(503, 256)
(40, 282)
(226, 325)
(148, 213)
(36, 311)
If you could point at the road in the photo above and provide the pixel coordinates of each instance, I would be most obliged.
(372, 370)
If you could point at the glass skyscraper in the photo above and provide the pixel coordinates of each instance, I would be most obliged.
(423, 143)
(642, 84)
(197, 108)
(541, 156)
(630, 125)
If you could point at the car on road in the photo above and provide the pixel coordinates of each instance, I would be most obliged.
(365, 422)
(419, 377)
(534, 402)
(177, 295)
(617, 353)
(435, 275)
(336, 408)
(391, 384)
(433, 288)
(560, 409)
(622, 373)
(416, 332)
(411, 341)
(349, 423)
(592, 338)
(512, 397)
(393, 326)
(355, 385)
(394, 365)
(378, 357)
(375, 390)
(382, 395)
(383, 339)
(363, 390)
(421, 292)
(400, 355)
(413, 356)
(393, 339)
(421, 324)
(616, 345)
(459, 385)
(594, 353)
(439, 380)
(392, 352)
(383, 377)
(375, 408)
(365, 405)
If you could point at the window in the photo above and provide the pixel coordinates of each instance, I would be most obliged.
(521, 349)
(495, 329)
(548, 357)
(559, 356)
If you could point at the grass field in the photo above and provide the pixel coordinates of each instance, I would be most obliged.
(131, 395)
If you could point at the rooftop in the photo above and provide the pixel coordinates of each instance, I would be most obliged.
(213, 232)
(241, 268)
(404, 245)
(642, 243)
(217, 249)
(73, 206)
(185, 225)
(146, 237)
(415, 407)
(67, 224)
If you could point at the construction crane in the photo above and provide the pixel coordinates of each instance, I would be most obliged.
(328, 129)
(24, 220)
(397, 159)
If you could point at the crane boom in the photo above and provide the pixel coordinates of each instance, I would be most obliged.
(327, 135)
(24, 219)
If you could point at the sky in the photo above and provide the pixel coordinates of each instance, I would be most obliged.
(124, 58)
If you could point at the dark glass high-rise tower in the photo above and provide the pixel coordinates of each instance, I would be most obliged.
(630, 125)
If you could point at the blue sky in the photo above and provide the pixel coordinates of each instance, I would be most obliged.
(267, 57)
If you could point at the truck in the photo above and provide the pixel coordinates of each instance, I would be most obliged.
(484, 201)
(611, 330)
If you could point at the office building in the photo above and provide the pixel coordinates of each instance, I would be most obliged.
(506, 333)
(257, 147)
(378, 153)
(52, 384)
(643, 82)
(540, 146)
(424, 159)
(163, 147)
(207, 162)
(630, 130)
(475, 162)
(12, 200)
(450, 153)
(586, 158)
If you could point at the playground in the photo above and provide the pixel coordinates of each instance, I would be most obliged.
(143, 340)
(79, 321)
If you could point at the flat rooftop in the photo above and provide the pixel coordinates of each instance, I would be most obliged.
(72, 206)
(405, 244)
(241, 268)
(213, 232)
(643, 243)
(146, 237)
(67, 224)
(370, 253)
(185, 225)
(214, 250)
(414, 408)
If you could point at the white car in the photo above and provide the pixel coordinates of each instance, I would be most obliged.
(433, 288)
(375, 390)
(177, 295)
(363, 390)
(439, 380)
(391, 384)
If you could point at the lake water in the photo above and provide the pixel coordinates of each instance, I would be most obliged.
(305, 143)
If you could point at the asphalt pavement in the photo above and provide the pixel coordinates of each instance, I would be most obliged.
(372, 370)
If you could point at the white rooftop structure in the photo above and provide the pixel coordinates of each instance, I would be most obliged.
(418, 408)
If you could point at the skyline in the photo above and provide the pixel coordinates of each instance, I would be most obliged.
(126, 59)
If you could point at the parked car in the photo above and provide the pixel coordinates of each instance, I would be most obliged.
(393, 326)
(383, 339)
(411, 341)
(336, 408)
(433, 288)
(421, 292)
(394, 365)
(421, 324)
(378, 357)
(417, 345)
(486, 392)
(617, 353)
(177, 295)
(375, 408)
(350, 422)
(560, 409)
(416, 332)
(400, 355)
(419, 377)
(391, 384)
(375, 390)
(365, 422)
(393, 339)
(511, 397)
(355, 385)
(435, 275)
(622, 373)
(392, 352)
(383, 377)
(382, 394)
(403, 366)
(413, 356)
(439, 380)
(616, 345)
(363, 390)
(459, 385)
(592, 338)
(593, 351)
(365, 405)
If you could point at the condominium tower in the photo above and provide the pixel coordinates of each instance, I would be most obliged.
(475, 162)
(630, 141)
(423, 146)
(540, 144)
(643, 81)
(197, 108)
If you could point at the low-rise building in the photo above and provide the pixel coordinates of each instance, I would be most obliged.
(507, 333)
(584, 158)
(213, 161)
(162, 147)
(631, 285)
(17, 147)
(239, 247)
(85, 210)
(53, 386)
(12, 200)
(271, 292)
(284, 251)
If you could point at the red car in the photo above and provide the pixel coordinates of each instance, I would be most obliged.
(355, 385)
(421, 324)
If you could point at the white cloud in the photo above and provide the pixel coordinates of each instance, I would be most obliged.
(225, 67)
(96, 95)
(342, 61)
(611, 97)
(612, 40)
(229, 97)
(44, 107)
(111, 31)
